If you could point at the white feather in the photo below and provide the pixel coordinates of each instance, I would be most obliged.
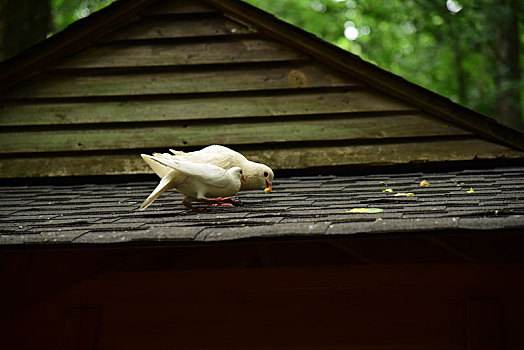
(205, 173)
(196, 181)
(165, 184)
(223, 157)
(257, 175)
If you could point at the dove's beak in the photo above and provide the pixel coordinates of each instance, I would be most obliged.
(268, 187)
(244, 178)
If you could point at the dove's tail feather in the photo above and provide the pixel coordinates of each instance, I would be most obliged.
(177, 153)
(165, 184)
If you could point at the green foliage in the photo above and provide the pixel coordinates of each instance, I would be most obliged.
(445, 46)
(66, 12)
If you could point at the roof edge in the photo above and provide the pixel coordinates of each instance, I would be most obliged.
(375, 76)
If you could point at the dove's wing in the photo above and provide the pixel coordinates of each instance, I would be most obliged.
(217, 155)
(220, 156)
(176, 153)
(160, 169)
(206, 173)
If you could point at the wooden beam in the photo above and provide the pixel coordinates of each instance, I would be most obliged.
(174, 81)
(238, 131)
(179, 7)
(177, 28)
(297, 157)
(180, 53)
(266, 104)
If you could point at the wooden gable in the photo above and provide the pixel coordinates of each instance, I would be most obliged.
(185, 74)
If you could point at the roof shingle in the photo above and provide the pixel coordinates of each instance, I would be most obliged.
(299, 206)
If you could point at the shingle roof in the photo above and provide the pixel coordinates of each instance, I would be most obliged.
(132, 78)
(300, 206)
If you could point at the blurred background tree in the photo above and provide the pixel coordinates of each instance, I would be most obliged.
(65, 12)
(24, 23)
(470, 51)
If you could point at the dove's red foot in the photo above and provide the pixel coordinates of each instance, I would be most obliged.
(192, 209)
(220, 204)
(236, 203)
(226, 202)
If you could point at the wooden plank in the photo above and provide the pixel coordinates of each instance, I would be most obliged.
(205, 107)
(484, 324)
(375, 307)
(119, 162)
(171, 28)
(181, 53)
(82, 329)
(81, 164)
(187, 133)
(216, 79)
(346, 319)
(384, 154)
(179, 7)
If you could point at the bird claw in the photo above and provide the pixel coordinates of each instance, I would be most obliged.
(220, 204)
(225, 202)
(192, 209)
(236, 203)
(216, 202)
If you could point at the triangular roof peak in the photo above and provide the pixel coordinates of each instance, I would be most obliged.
(373, 75)
(321, 66)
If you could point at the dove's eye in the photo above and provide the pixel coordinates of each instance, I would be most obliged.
(266, 174)
(240, 172)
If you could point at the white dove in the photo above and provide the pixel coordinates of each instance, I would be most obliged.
(257, 175)
(199, 182)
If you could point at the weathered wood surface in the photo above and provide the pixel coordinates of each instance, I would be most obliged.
(202, 107)
(173, 81)
(236, 132)
(128, 162)
(81, 331)
(171, 28)
(181, 53)
(179, 7)
(362, 307)
(485, 323)
(417, 151)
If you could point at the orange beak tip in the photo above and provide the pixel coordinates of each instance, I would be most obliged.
(267, 190)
